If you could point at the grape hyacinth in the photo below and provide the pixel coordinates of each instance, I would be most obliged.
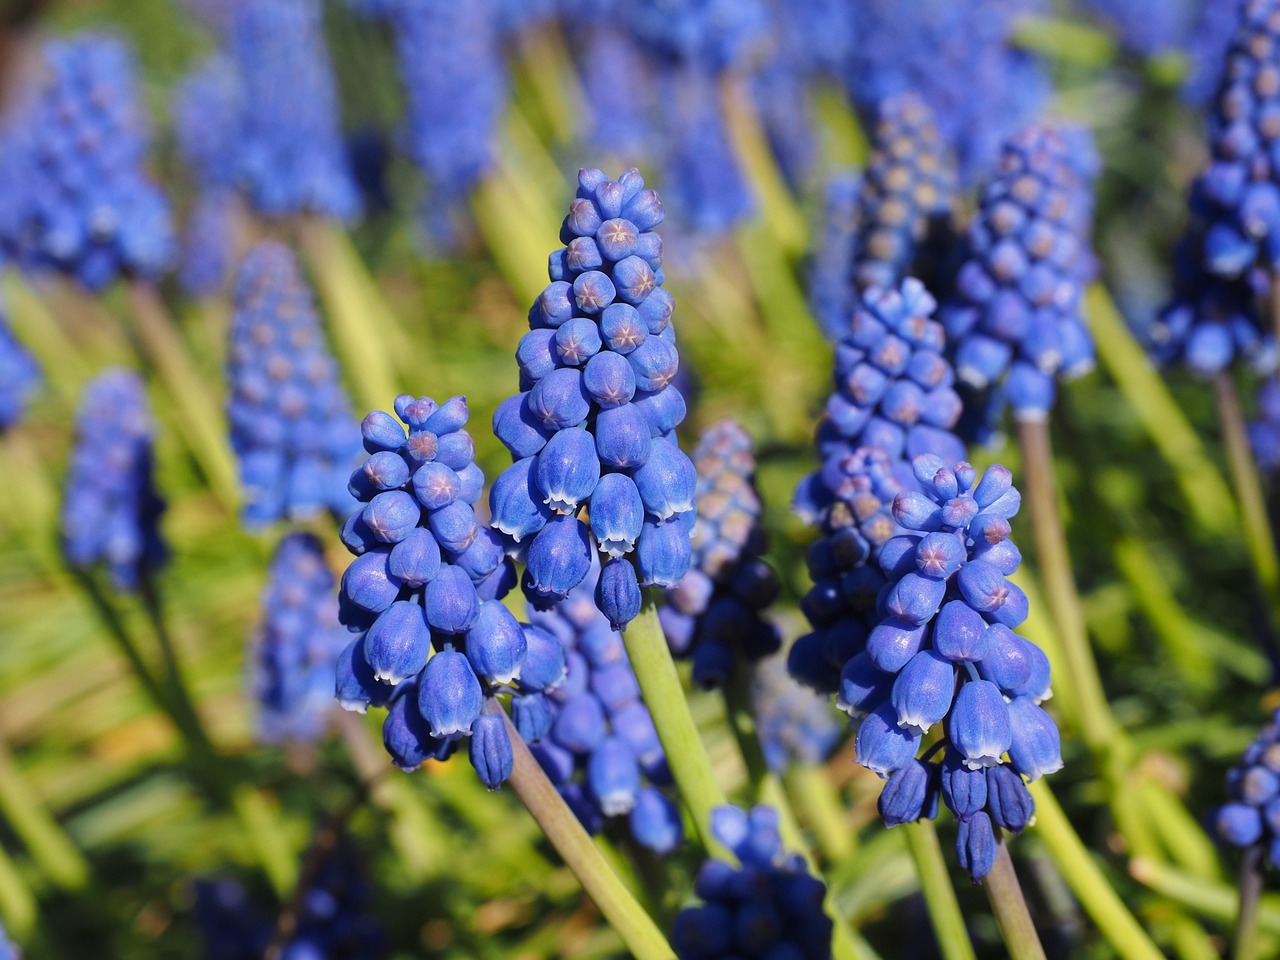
(19, 377)
(714, 614)
(593, 735)
(78, 198)
(1206, 43)
(424, 593)
(1264, 433)
(290, 158)
(720, 34)
(1147, 27)
(292, 657)
(906, 194)
(1252, 814)
(617, 85)
(831, 295)
(1016, 319)
(770, 906)
(110, 508)
(945, 652)
(594, 425)
(796, 726)
(291, 422)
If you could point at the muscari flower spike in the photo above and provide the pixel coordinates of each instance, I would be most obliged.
(769, 906)
(831, 293)
(79, 200)
(617, 85)
(1251, 817)
(19, 377)
(594, 426)
(1264, 433)
(594, 735)
(290, 158)
(110, 507)
(293, 653)
(291, 422)
(714, 615)
(435, 644)
(906, 195)
(1205, 44)
(944, 655)
(796, 726)
(1016, 318)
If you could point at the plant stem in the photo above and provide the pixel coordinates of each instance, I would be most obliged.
(1010, 907)
(620, 908)
(1099, 899)
(199, 418)
(687, 757)
(48, 844)
(817, 799)
(1208, 898)
(1245, 940)
(1206, 493)
(38, 329)
(1253, 505)
(1096, 722)
(939, 894)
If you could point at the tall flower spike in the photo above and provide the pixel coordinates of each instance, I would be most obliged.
(831, 295)
(714, 615)
(769, 906)
(906, 195)
(435, 644)
(796, 725)
(1016, 320)
(593, 735)
(594, 428)
(617, 85)
(290, 158)
(110, 508)
(1251, 815)
(293, 654)
(79, 200)
(291, 422)
(19, 377)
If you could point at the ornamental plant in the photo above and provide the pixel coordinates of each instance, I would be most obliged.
(19, 377)
(592, 430)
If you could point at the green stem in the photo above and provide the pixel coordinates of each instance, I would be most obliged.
(1096, 722)
(939, 894)
(47, 842)
(38, 329)
(17, 903)
(511, 239)
(1245, 940)
(1204, 490)
(660, 683)
(1099, 899)
(199, 419)
(620, 908)
(1253, 504)
(817, 800)
(1208, 898)
(1010, 907)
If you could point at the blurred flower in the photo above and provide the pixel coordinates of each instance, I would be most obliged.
(796, 726)
(831, 294)
(715, 613)
(770, 905)
(19, 377)
(1147, 27)
(1264, 433)
(208, 243)
(291, 422)
(618, 84)
(110, 508)
(78, 199)
(8, 950)
(594, 424)
(1251, 815)
(717, 34)
(293, 654)
(1206, 42)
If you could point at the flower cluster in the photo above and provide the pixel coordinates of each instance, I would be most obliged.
(289, 156)
(1147, 27)
(616, 86)
(831, 295)
(907, 190)
(717, 33)
(1251, 816)
(1264, 433)
(945, 652)
(78, 199)
(291, 422)
(296, 646)
(424, 594)
(593, 735)
(796, 726)
(1017, 310)
(110, 508)
(334, 917)
(1207, 40)
(594, 424)
(770, 906)
(714, 614)
(19, 377)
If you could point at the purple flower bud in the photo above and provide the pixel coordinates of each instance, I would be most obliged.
(914, 598)
(902, 800)
(555, 304)
(663, 410)
(666, 480)
(544, 665)
(983, 586)
(979, 725)
(1238, 824)
(938, 555)
(407, 735)
(368, 583)
(490, 751)
(581, 725)
(1008, 661)
(451, 602)
(622, 437)
(514, 504)
(381, 431)
(922, 691)
(914, 511)
(613, 776)
(449, 695)
(654, 364)
(863, 687)
(454, 526)
(520, 431)
(1008, 799)
(893, 642)
(397, 645)
(663, 552)
(1035, 747)
(496, 644)
(559, 399)
(567, 470)
(392, 516)
(960, 633)
(536, 353)
(532, 715)
(882, 746)
(655, 821)
(483, 557)
(592, 292)
(558, 559)
(963, 790)
(436, 486)
(623, 329)
(385, 471)
(976, 845)
(577, 341)
(618, 592)
(355, 686)
(634, 279)
(617, 514)
(609, 379)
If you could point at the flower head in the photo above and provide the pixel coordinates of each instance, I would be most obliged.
(796, 725)
(1251, 816)
(1264, 433)
(110, 508)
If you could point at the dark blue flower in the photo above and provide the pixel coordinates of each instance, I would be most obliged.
(831, 294)
(1252, 814)
(794, 723)
(110, 507)
(1264, 433)
(19, 377)
(1146, 27)
(291, 422)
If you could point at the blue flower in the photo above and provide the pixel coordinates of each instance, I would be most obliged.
(770, 905)
(1252, 814)
(295, 648)
(291, 422)
(110, 507)
(79, 199)
(1147, 27)
(795, 724)
(1264, 433)
(593, 423)
(831, 295)
(435, 644)
(19, 377)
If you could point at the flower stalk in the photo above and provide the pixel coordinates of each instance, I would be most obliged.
(1010, 907)
(1245, 939)
(939, 895)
